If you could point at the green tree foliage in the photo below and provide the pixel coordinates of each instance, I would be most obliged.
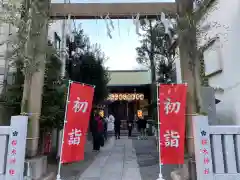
(12, 93)
(166, 72)
(87, 66)
(157, 53)
(156, 50)
(53, 101)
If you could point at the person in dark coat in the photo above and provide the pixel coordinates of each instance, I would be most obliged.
(100, 130)
(138, 125)
(105, 125)
(94, 130)
(96, 127)
(142, 123)
(130, 127)
(117, 127)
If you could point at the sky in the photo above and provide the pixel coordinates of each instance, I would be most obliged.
(121, 49)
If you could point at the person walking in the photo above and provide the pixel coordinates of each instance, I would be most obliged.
(105, 127)
(144, 128)
(104, 122)
(142, 123)
(117, 127)
(130, 127)
(138, 127)
(111, 120)
(100, 123)
(94, 129)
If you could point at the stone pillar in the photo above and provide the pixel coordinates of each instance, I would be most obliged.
(37, 79)
(63, 47)
(189, 62)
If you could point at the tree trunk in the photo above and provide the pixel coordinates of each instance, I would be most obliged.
(153, 75)
(190, 75)
(33, 84)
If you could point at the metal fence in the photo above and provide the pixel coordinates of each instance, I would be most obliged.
(217, 150)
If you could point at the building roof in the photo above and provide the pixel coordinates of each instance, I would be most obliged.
(129, 77)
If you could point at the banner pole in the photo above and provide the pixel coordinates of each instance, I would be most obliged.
(160, 176)
(65, 121)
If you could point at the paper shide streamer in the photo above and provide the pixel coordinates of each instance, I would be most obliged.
(109, 25)
(136, 22)
(167, 23)
(69, 28)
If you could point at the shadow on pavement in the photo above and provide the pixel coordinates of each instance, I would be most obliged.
(72, 171)
(148, 159)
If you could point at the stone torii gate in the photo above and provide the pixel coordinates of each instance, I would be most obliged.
(60, 11)
(114, 10)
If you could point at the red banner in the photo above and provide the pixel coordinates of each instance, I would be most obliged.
(172, 122)
(79, 106)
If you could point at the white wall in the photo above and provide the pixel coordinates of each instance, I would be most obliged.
(225, 24)
(57, 26)
(5, 30)
(128, 77)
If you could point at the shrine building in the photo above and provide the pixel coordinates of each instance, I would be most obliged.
(129, 91)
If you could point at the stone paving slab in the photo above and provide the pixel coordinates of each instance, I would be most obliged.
(131, 167)
(148, 160)
(72, 171)
(94, 170)
(147, 156)
(116, 161)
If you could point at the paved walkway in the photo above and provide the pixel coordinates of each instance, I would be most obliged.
(148, 159)
(72, 171)
(116, 161)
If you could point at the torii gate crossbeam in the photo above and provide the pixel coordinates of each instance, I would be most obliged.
(115, 10)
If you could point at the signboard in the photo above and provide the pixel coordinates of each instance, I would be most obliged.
(202, 148)
(79, 106)
(125, 97)
(172, 119)
(16, 148)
